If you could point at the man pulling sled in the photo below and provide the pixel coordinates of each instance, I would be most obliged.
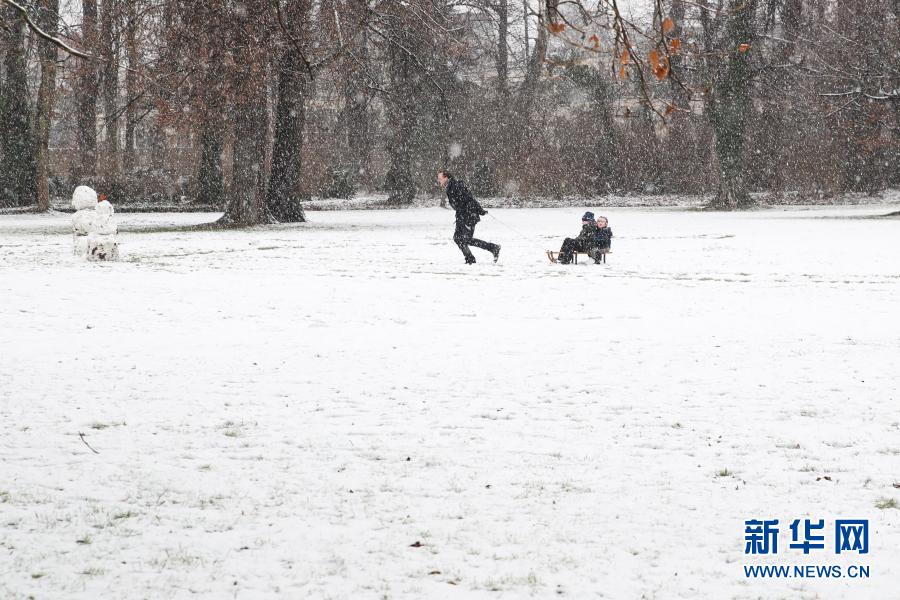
(468, 214)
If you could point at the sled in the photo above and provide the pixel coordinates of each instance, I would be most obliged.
(600, 258)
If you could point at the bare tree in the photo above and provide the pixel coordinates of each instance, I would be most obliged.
(402, 99)
(132, 25)
(725, 97)
(109, 84)
(295, 74)
(48, 17)
(191, 84)
(731, 103)
(86, 96)
(312, 37)
(356, 127)
(247, 74)
(17, 171)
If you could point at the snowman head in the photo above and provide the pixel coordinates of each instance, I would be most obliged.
(84, 198)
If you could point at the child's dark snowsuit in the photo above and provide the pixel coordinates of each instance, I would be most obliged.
(585, 242)
(603, 239)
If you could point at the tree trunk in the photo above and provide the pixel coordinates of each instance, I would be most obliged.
(283, 199)
(502, 52)
(529, 88)
(246, 202)
(131, 91)
(500, 142)
(356, 128)
(49, 20)
(213, 128)
(248, 81)
(17, 171)
(442, 133)
(604, 146)
(402, 117)
(680, 96)
(210, 179)
(732, 104)
(525, 10)
(109, 51)
(776, 111)
(86, 97)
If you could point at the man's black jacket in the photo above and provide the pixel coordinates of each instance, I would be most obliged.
(467, 209)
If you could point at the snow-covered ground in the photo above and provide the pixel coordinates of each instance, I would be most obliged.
(343, 409)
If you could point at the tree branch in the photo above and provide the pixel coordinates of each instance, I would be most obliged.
(43, 34)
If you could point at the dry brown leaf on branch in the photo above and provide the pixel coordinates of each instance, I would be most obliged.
(743, 48)
(670, 108)
(595, 41)
(662, 70)
(622, 73)
(667, 25)
(557, 27)
(674, 45)
(653, 59)
(625, 57)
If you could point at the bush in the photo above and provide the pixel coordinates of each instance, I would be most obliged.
(340, 182)
(139, 186)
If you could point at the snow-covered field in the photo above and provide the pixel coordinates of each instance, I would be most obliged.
(343, 409)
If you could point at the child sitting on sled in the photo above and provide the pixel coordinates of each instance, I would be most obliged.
(585, 242)
(602, 237)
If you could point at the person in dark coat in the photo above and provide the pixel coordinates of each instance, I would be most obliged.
(604, 234)
(585, 242)
(603, 237)
(468, 214)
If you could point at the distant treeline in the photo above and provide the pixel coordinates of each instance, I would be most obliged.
(258, 105)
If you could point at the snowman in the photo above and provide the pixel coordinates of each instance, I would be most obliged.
(93, 229)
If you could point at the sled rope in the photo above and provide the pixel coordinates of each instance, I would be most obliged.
(513, 229)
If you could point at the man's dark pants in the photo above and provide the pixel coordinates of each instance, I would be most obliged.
(463, 236)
